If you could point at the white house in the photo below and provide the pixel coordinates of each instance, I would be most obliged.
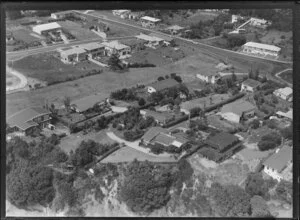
(151, 41)
(257, 22)
(150, 22)
(276, 163)
(115, 47)
(250, 85)
(61, 14)
(122, 13)
(284, 93)
(73, 54)
(209, 77)
(261, 49)
(45, 28)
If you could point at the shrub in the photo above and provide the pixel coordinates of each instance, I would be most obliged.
(269, 141)
(157, 149)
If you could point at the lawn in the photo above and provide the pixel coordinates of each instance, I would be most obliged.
(128, 154)
(287, 76)
(72, 141)
(49, 68)
(215, 121)
(258, 133)
(24, 35)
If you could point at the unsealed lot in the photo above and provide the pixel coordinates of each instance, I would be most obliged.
(77, 30)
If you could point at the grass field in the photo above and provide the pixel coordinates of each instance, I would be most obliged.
(47, 67)
(11, 79)
(287, 76)
(24, 35)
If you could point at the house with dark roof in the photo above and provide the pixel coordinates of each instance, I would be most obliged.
(250, 85)
(277, 162)
(88, 102)
(220, 146)
(237, 111)
(162, 85)
(25, 120)
(161, 118)
(158, 135)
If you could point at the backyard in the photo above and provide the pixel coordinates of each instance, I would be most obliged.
(287, 76)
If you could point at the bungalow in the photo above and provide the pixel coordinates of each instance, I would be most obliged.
(72, 54)
(237, 111)
(261, 49)
(25, 120)
(161, 118)
(250, 85)
(43, 29)
(151, 41)
(166, 40)
(86, 103)
(158, 135)
(93, 49)
(209, 77)
(220, 146)
(162, 85)
(284, 93)
(115, 47)
(175, 29)
(276, 163)
(257, 22)
(62, 14)
(122, 13)
(150, 22)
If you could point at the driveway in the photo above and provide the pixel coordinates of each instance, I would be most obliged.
(135, 145)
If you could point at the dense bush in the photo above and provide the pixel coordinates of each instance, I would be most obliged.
(140, 65)
(157, 148)
(284, 191)
(259, 207)
(269, 141)
(256, 185)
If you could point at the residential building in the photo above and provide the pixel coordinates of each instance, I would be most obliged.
(122, 13)
(261, 49)
(94, 49)
(72, 54)
(275, 165)
(250, 85)
(288, 115)
(158, 135)
(284, 93)
(175, 29)
(220, 146)
(43, 29)
(151, 41)
(149, 22)
(161, 118)
(257, 22)
(166, 40)
(235, 18)
(237, 111)
(62, 14)
(209, 77)
(162, 85)
(25, 120)
(88, 102)
(134, 44)
(115, 47)
(134, 15)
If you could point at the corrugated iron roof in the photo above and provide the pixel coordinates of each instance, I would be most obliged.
(279, 160)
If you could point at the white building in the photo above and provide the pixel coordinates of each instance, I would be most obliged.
(61, 14)
(151, 41)
(122, 13)
(261, 49)
(147, 21)
(115, 47)
(250, 85)
(288, 115)
(284, 93)
(257, 22)
(45, 28)
(175, 29)
(276, 163)
(209, 77)
(235, 18)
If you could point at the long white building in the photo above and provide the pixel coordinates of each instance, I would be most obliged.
(45, 28)
(261, 49)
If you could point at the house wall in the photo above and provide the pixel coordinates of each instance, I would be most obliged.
(231, 117)
(281, 95)
(247, 88)
(273, 173)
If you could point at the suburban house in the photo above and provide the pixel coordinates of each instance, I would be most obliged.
(275, 165)
(284, 93)
(43, 29)
(25, 120)
(235, 18)
(162, 85)
(257, 22)
(209, 77)
(158, 135)
(237, 111)
(150, 22)
(86, 103)
(288, 115)
(134, 44)
(161, 118)
(261, 49)
(134, 15)
(220, 146)
(62, 14)
(72, 54)
(250, 85)
(151, 41)
(93, 49)
(175, 29)
(187, 106)
(122, 13)
(166, 40)
(115, 47)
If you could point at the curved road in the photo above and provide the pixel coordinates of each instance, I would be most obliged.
(23, 80)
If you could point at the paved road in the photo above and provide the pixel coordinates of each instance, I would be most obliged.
(134, 145)
(277, 75)
(203, 46)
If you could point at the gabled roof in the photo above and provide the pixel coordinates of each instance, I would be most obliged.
(147, 18)
(164, 37)
(153, 132)
(288, 114)
(145, 37)
(285, 91)
(221, 140)
(87, 102)
(279, 160)
(22, 119)
(91, 46)
(263, 46)
(160, 116)
(74, 50)
(252, 83)
(48, 26)
(175, 27)
(164, 139)
(164, 84)
(238, 107)
(115, 45)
